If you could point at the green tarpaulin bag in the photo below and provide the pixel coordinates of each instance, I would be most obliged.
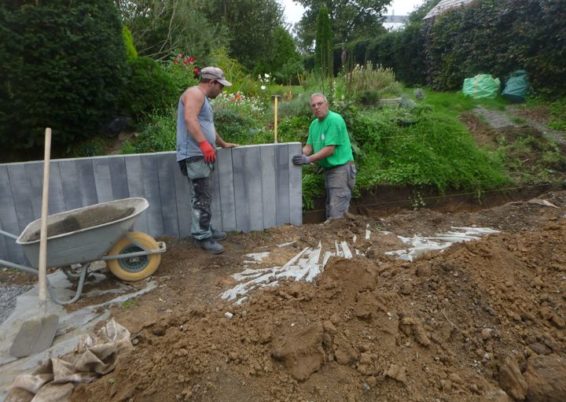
(516, 86)
(481, 86)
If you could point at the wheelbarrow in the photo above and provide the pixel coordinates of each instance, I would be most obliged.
(79, 237)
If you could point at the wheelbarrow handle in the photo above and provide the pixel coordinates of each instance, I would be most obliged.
(13, 236)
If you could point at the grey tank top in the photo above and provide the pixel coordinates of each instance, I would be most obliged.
(186, 145)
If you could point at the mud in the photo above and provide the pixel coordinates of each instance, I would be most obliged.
(483, 320)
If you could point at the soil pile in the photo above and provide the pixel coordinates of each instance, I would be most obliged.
(482, 321)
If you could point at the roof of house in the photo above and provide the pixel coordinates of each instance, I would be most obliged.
(444, 6)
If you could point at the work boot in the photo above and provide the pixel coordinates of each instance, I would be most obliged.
(218, 234)
(211, 245)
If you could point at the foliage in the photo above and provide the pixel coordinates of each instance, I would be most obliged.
(422, 153)
(240, 119)
(368, 82)
(350, 20)
(160, 28)
(62, 65)
(285, 63)
(250, 25)
(159, 134)
(131, 52)
(524, 34)
(183, 72)
(324, 61)
(530, 158)
(149, 89)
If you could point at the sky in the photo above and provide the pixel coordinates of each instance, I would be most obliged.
(294, 11)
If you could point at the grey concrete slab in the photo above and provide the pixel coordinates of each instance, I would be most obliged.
(118, 177)
(87, 187)
(240, 193)
(34, 171)
(183, 202)
(8, 218)
(166, 175)
(253, 188)
(136, 187)
(150, 178)
(215, 207)
(295, 187)
(102, 179)
(282, 185)
(225, 168)
(70, 181)
(268, 185)
(22, 195)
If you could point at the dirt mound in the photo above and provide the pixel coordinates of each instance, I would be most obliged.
(483, 320)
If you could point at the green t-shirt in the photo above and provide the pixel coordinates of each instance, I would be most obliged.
(331, 131)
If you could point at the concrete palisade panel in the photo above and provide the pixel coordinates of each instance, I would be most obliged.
(253, 188)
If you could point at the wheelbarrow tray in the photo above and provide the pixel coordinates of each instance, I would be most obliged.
(83, 234)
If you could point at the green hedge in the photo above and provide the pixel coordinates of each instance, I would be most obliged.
(486, 36)
(62, 65)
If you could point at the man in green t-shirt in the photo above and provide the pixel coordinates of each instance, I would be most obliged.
(329, 145)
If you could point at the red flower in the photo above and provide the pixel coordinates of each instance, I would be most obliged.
(196, 72)
(192, 59)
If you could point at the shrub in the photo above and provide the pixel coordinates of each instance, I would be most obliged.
(62, 65)
(149, 89)
(371, 82)
(240, 119)
(158, 135)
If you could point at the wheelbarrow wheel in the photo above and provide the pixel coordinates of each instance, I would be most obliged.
(133, 269)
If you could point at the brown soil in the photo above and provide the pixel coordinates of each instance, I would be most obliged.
(481, 321)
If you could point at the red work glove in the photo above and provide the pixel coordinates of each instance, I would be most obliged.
(208, 152)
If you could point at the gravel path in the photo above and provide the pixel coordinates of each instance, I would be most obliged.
(8, 296)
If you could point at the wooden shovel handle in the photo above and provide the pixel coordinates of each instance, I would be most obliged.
(44, 213)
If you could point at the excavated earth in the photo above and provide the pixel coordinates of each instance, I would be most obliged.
(482, 320)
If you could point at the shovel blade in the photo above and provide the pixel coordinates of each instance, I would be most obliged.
(35, 335)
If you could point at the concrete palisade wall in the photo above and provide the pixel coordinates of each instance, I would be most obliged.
(253, 188)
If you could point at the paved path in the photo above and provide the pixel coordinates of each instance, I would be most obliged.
(500, 119)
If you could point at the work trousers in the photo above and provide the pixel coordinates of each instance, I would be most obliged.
(339, 182)
(198, 173)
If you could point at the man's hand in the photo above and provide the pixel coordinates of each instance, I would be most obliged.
(230, 145)
(208, 152)
(301, 160)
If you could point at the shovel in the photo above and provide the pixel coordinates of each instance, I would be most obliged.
(37, 333)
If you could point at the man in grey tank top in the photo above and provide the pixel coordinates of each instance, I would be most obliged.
(196, 154)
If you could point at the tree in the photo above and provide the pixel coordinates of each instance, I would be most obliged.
(250, 24)
(324, 60)
(285, 62)
(62, 65)
(161, 28)
(350, 19)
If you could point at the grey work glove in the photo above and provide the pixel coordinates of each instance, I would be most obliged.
(301, 160)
